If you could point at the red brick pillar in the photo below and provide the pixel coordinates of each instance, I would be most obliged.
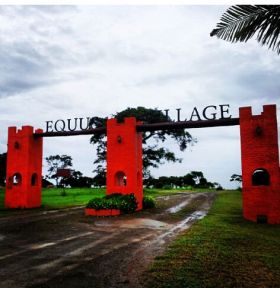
(24, 168)
(260, 165)
(124, 159)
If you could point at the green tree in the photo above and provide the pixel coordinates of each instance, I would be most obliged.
(195, 179)
(56, 162)
(99, 179)
(153, 156)
(78, 180)
(188, 180)
(203, 183)
(197, 176)
(236, 178)
(240, 22)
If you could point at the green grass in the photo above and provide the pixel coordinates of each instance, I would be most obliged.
(222, 250)
(55, 198)
(165, 192)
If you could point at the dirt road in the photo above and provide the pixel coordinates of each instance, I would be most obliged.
(63, 248)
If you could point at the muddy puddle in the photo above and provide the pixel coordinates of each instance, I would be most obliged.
(66, 249)
(178, 207)
(133, 223)
(182, 225)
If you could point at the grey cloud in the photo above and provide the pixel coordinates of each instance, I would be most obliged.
(44, 30)
(134, 58)
(264, 84)
(125, 51)
(27, 65)
(27, 10)
(165, 78)
(50, 9)
(15, 86)
(22, 68)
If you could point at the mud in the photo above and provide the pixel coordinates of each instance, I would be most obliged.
(64, 248)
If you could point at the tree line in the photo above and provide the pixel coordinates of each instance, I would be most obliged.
(194, 179)
(76, 178)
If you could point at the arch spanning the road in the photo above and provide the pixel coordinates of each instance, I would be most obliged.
(259, 157)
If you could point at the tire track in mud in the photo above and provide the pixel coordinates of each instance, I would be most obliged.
(33, 216)
(71, 250)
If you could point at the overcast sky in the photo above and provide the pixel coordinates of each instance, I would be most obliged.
(60, 62)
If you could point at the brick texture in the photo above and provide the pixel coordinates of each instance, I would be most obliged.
(259, 150)
(24, 168)
(124, 159)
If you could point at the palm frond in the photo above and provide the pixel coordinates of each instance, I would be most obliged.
(241, 22)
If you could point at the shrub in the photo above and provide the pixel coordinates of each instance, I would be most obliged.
(148, 202)
(125, 203)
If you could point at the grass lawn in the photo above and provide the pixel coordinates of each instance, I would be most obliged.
(55, 198)
(222, 250)
(80, 196)
(164, 192)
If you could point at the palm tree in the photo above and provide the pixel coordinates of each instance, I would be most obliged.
(241, 22)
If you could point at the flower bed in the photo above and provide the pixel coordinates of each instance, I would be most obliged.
(111, 205)
(102, 212)
(115, 204)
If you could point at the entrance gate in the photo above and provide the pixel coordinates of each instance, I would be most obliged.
(259, 157)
